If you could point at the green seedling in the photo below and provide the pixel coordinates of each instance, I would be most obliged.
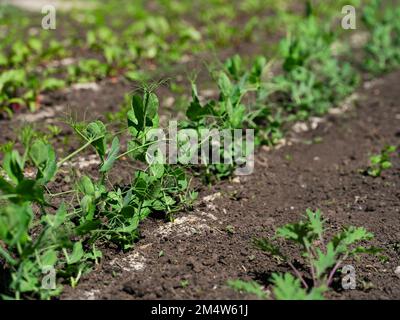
(322, 257)
(230, 112)
(184, 283)
(380, 162)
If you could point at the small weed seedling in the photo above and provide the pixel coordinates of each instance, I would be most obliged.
(322, 257)
(380, 162)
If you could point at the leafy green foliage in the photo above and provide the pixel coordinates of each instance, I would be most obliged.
(231, 111)
(28, 247)
(33, 236)
(162, 187)
(251, 287)
(382, 50)
(380, 162)
(287, 287)
(322, 257)
(115, 214)
(313, 78)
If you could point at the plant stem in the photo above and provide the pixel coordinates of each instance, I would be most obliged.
(141, 146)
(332, 273)
(61, 193)
(73, 154)
(298, 274)
(312, 266)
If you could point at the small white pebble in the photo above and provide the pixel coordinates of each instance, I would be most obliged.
(397, 271)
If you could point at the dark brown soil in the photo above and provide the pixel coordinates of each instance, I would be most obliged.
(194, 257)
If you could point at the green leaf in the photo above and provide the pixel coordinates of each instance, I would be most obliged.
(86, 186)
(144, 112)
(38, 152)
(14, 224)
(386, 165)
(96, 131)
(87, 227)
(316, 222)
(286, 287)
(225, 85)
(296, 232)
(12, 164)
(88, 206)
(52, 84)
(266, 246)
(56, 220)
(30, 190)
(48, 258)
(350, 236)
(44, 158)
(257, 70)
(112, 156)
(157, 170)
(234, 66)
(250, 287)
(325, 261)
(6, 187)
(77, 253)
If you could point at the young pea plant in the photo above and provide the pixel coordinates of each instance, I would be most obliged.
(382, 49)
(380, 162)
(229, 112)
(313, 78)
(322, 257)
(29, 246)
(161, 187)
(115, 214)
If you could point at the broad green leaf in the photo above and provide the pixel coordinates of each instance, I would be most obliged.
(112, 156)
(44, 158)
(48, 258)
(325, 261)
(12, 164)
(152, 107)
(77, 253)
(86, 186)
(30, 190)
(15, 221)
(157, 170)
(38, 152)
(144, 112)
(96, 131)
(88, 207)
